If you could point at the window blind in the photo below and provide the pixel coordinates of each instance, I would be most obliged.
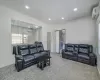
(22, 33)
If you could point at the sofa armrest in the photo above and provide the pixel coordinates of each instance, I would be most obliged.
(19, 57)
(19, 62)
(19, 65)
(93, 59)
(92, 55)
(48, 51)
(63, 51)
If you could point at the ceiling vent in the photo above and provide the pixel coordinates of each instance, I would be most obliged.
(95, 12)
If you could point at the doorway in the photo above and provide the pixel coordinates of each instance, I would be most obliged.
(49, 41)
(60, 40)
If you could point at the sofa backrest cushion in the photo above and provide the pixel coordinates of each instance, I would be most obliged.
(39, 46)
(14, 50)
(23, 50)
(79, 48)
(40, 49)
(69, 47)
(84, 48)
(76, 48)
(90, 48)
(32, 49)
(32, 46)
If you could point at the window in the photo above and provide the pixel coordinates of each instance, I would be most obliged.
(25, 38)
(16, 38)
(19, 38)
(22, 32)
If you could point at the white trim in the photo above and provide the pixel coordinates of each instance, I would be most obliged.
(98, 71)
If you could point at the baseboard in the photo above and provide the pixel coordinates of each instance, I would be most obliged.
(98, 71)
(6, 65)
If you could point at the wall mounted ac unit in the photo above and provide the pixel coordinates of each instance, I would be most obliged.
(95, 12)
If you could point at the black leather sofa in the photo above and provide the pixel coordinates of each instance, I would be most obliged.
(80, 52)
(27, 55)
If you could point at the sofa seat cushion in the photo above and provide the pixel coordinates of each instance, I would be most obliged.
(83, 56)
(28, 58)
(37, 55)
(69, 53)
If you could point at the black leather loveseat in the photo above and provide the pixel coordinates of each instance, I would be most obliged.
(26, 55)
(80, 52)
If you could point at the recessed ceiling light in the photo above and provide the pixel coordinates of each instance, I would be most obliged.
(62, 18)
(75, 9)
(29, 27)
(36, 26)
(49, 19)
(27, 7)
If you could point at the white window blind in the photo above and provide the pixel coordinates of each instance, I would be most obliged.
(21, 34)
(16, 38)
(25, 38)
(19, 38)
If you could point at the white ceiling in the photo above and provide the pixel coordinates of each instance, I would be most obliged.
(54, 9)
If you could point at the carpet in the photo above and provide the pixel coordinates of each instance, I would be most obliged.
(60, 69)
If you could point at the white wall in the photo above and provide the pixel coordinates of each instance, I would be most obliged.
(6, 14)
(79, 31)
